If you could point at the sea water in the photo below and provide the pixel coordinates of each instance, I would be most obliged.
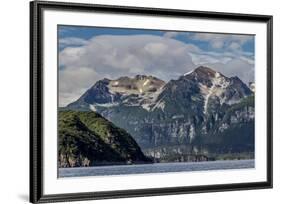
(155, 168)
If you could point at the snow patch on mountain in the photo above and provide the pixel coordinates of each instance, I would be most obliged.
(191, 132)
(116, 83)
(105, 105)
(178, 116)
(219, 84)
(210, 91)
(146, 106)
(150, 102)
(146, 82)
(188, 73)
(93, 108)
(160, 104)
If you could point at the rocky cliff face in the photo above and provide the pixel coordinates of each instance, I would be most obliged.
(201, 112)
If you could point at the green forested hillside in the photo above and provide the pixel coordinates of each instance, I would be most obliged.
(88, 139)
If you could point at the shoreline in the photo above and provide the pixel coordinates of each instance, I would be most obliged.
(116, 164)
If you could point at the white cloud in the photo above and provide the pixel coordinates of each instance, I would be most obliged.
(219, 41)
(234, 46)
(72, 41)
(170, 34)
(112, 56)
(236, 67)
(215, 40)
(73, 82)
(217, 44)
(156, 49)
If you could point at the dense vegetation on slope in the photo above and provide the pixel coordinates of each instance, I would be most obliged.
(87, 139)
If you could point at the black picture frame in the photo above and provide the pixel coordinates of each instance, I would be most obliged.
(36, 101)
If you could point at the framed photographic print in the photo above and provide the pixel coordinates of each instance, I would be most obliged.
(131, 101)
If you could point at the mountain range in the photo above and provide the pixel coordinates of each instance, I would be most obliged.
(201, 112)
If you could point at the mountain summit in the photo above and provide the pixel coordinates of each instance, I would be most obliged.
(204, 86)
(140, 84)
(140, 90)
(202, 71)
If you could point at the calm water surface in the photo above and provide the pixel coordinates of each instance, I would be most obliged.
(155, 168)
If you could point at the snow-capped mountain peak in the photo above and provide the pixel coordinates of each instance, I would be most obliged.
(202, 86)
(140, 90)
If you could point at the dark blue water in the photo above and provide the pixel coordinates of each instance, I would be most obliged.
(155, 168)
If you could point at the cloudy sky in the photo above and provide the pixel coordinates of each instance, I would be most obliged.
(88, 54)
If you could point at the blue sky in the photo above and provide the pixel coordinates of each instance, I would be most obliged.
(88, 54)
(89, 32)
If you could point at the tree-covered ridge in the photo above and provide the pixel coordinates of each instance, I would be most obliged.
(88, 139)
